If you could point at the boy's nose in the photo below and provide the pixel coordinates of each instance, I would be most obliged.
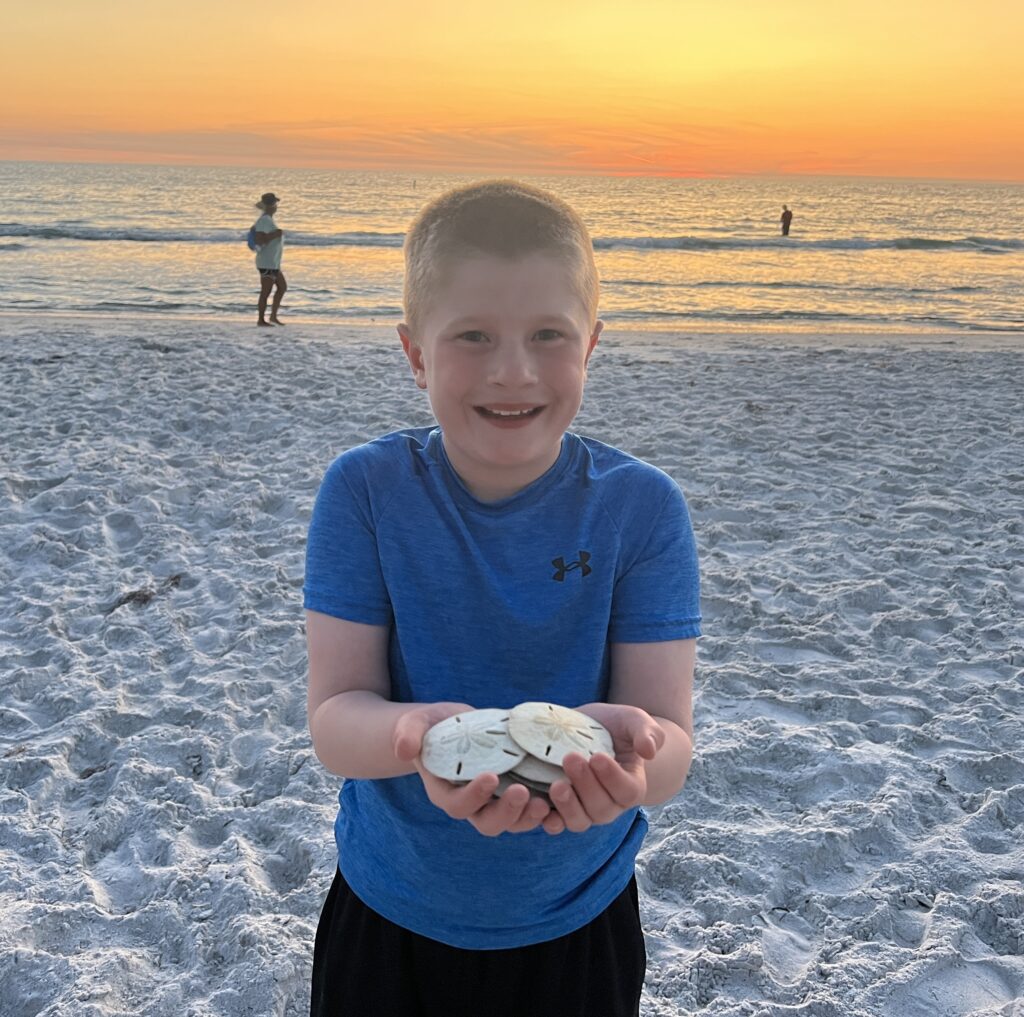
(513, 367)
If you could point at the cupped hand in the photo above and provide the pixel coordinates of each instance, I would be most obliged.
(514, 812)
(599, 790)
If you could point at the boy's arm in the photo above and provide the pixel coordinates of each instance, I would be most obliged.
(649, 716)
(658, 678)
(263, 238)
(351, 719)
(358, 732)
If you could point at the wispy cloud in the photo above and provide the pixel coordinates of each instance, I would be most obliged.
(545, 146)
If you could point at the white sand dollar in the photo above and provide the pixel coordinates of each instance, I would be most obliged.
(551, 732)
(468, 744)
(537, 771)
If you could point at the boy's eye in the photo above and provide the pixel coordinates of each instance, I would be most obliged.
(549, 333)
(472, 336)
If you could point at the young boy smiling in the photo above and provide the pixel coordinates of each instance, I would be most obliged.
(494, 559)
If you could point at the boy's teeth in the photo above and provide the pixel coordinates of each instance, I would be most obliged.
(510, 413)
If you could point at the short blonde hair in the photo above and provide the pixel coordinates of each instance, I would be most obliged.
(506, 218)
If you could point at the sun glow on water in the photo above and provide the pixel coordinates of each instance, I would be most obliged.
(672, 254)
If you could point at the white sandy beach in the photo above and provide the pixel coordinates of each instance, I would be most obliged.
(849, 842)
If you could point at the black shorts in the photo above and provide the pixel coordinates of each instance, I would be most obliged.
(366, 966)
(272, 273)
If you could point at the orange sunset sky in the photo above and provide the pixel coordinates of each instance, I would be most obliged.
(878, 87)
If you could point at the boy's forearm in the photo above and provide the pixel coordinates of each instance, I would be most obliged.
(666, 773)
(353, 735)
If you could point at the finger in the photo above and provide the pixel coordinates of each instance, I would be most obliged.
(460, 802)
(567, 802)
(477, 794)
(623, 789)
(595, 798)
(501, 815)
(534, 814)
(554, 824)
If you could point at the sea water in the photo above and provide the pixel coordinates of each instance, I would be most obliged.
(673, 254)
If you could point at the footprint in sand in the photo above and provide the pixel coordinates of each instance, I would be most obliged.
(788, 945)
(954, 988)
(288, 869)
(120, 531)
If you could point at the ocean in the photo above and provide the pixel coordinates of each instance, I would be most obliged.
(673, 254)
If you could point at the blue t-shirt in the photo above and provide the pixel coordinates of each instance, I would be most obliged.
(494, 604)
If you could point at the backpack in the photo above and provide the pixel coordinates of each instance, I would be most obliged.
(251, 239)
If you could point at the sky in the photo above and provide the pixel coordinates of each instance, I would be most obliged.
(906, 88)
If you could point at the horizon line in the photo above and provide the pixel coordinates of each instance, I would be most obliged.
(568, 172)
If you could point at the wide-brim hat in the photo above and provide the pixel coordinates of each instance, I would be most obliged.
(270, 198)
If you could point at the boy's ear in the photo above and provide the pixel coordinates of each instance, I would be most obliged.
(414, 354)
(594, 336)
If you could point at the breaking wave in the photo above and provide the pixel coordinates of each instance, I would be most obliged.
(77, 231)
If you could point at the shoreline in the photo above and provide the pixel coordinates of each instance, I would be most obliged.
(704, 339)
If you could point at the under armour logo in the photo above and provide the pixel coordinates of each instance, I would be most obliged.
(582, 565)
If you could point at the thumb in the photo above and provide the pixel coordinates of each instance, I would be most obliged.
(408, 737)
(648, 737)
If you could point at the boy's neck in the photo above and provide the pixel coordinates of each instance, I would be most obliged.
(500, 482)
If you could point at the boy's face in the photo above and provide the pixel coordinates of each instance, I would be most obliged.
(502, 352)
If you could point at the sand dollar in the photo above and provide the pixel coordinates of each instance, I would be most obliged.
(537, 771)
(467, 744)
(506, 780)
(551, 732)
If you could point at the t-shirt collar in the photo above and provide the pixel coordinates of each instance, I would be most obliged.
(526, 496)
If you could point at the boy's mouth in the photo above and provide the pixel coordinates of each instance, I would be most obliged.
(508, 414)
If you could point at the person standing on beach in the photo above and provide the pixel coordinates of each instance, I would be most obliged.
(270, 244)
(494, 559)
(786, 218)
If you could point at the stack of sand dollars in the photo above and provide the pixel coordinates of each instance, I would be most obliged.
(525, 745)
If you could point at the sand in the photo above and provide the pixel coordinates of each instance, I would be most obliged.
(850, 839)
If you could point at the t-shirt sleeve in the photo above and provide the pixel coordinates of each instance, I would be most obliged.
(343, 570)
(657, 596)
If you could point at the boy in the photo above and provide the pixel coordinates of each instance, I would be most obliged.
(270, 241)
(492, 560)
